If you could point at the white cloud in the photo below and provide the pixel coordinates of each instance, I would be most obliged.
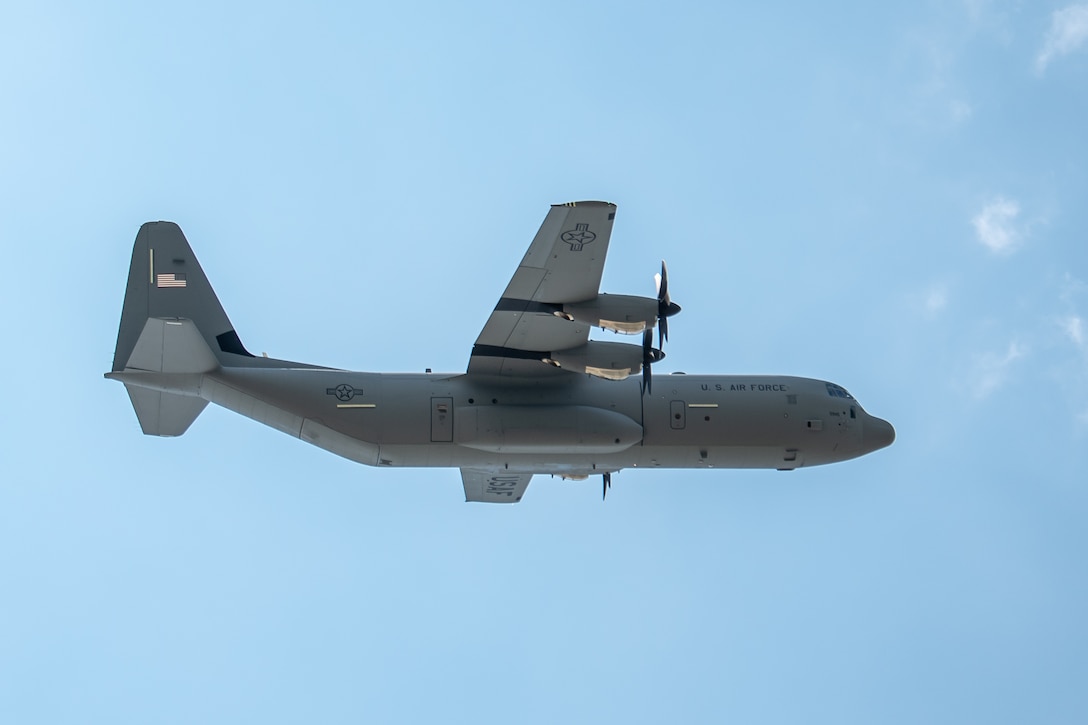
(992, 369)
(936, 299)
(995, 225)
(993, 17)
(1068, 32)
(1072, 288)
(1074, 324)
(976, 8)
(960, 111)
(1074, 328)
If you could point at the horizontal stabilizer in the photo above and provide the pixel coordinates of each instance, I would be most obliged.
(164, 414)
(177, 348)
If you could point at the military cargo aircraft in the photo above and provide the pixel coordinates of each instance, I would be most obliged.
(538, 397)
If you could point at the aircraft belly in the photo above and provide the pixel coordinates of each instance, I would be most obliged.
(449, 455)
(251, 405)
(342, 445)
(772, 456)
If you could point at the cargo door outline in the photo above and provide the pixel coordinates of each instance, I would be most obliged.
(678, 413)
(441, 420)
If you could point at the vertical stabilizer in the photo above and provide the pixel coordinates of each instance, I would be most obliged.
(173, 333)
(165, 281)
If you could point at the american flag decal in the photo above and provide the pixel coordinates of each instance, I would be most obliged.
(170, 280)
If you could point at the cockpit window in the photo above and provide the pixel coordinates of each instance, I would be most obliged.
(837, 391)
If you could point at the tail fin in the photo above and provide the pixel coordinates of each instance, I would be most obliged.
(173, 331)
(165, 281)
(162, 375)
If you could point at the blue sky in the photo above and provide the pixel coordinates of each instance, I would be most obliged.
(892, 198)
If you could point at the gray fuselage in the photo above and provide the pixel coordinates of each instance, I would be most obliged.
(575, 427)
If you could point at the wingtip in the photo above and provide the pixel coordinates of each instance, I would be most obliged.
(586, 203)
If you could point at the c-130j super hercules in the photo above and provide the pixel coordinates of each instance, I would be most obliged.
(538, 397)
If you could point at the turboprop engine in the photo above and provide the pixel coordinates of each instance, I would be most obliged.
(611, 360)
(620, 313)
(626, 314)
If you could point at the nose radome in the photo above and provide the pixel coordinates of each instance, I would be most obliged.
(878, 434)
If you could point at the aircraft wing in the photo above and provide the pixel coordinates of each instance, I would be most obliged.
(564, 264)
(494, 486)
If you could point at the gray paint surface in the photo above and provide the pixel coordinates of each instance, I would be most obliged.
(509, 416)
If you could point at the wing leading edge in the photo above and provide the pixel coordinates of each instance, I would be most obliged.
(564, 264)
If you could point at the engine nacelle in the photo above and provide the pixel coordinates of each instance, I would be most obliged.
(620, 313)
(611, 360)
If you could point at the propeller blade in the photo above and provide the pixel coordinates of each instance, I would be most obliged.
(647, 359)
(665, 306)
(605, 485)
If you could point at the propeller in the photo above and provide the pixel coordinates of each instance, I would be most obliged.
(666, 308)
(605, 485)
(650, 355)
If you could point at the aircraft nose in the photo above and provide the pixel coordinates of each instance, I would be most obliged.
(878, 434)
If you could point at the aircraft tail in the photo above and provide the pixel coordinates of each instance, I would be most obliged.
(163, 375)
(164, 414)
(173, 330)
(165, 282)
